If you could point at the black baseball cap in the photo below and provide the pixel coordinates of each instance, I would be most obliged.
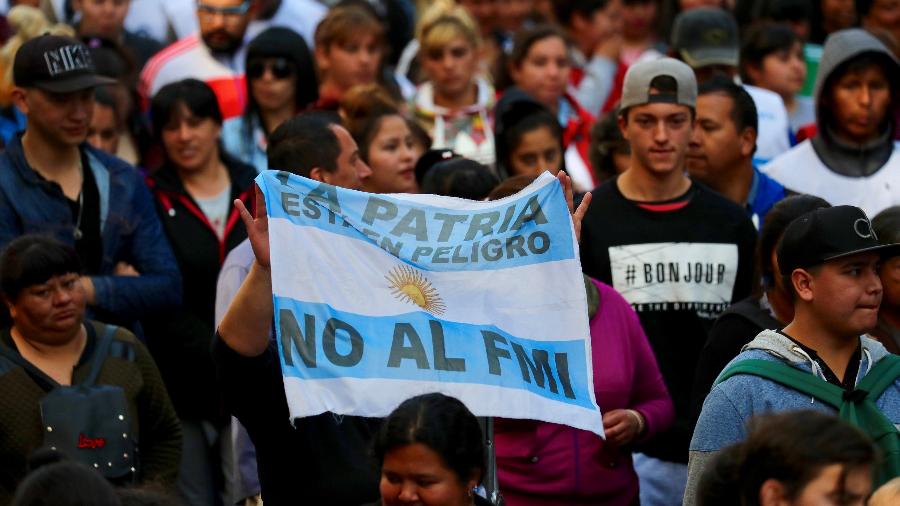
(828, 234)
(706, 36)
(57, 64)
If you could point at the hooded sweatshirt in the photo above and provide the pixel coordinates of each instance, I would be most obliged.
(732, 403)
(865, 175)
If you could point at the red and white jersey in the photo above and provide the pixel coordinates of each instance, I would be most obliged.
(191, 58)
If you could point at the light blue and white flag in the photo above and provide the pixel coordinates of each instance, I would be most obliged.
(379, 298)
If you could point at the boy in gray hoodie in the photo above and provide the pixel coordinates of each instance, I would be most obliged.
(853, 159)
(829, 258)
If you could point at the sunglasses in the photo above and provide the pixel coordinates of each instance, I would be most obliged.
(210, 10)
(279, 67)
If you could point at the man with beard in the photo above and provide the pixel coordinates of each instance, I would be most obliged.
(214, 55)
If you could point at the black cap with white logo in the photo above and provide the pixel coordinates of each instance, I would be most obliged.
(828, 234)
(56, 64)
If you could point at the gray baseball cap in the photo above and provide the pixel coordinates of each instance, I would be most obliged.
(706, 36)
(636, 89)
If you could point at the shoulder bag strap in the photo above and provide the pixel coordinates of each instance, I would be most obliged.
(100, 354)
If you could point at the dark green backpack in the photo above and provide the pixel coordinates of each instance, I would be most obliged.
(856, 407)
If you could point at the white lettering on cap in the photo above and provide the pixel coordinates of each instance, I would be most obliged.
(863, 228)
(67, 58)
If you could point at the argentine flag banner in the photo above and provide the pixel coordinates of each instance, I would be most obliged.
(379, 298)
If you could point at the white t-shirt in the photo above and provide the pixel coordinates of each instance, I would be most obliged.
(774, 131)
(216, 210)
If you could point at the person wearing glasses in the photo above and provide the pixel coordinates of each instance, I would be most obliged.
(215, 55)
(281, 82)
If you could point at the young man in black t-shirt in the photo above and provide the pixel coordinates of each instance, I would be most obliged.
(678, 252)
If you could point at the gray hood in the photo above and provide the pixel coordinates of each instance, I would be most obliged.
(780, 346)
(849, 159)
(842, 46)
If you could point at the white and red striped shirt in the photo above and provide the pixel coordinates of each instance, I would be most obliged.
(190, 57)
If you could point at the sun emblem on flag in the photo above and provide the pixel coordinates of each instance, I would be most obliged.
(409, 285)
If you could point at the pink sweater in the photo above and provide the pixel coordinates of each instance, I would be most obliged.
(543, 464)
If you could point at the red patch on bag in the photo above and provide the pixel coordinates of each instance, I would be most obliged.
(87, 442)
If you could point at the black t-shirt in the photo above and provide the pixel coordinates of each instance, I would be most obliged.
(323, 459)
(680, 264)
(90, 244)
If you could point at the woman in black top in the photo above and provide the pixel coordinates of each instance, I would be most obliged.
(194, 192)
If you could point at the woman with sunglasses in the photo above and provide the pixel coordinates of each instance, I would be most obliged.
(280, 82)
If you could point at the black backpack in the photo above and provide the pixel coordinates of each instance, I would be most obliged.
(87, 422)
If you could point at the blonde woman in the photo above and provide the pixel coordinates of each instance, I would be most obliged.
(26, 23)
(454, 105)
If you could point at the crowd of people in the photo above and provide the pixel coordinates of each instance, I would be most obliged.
(734, 169)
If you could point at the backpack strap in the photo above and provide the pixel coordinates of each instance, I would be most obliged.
(788, 376)
(100, 354)
(854, 406)
(881, 376)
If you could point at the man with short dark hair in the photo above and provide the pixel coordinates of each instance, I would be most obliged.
(53, 182)
(853, 158)
(821, 360)
(323, 458)
(678, 252)
(721, 149)
(707, 39)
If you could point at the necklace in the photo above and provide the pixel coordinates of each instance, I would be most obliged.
(77, 234)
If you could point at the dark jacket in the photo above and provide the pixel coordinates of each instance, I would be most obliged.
(130, 229)
(321, 459)
(181, 341)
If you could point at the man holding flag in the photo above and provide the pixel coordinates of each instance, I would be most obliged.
(323, 459)
(333, 374)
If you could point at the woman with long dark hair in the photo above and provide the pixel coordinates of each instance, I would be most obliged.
(281, 81)
(540, 64)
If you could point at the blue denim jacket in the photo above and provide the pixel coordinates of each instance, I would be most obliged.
(128, 222)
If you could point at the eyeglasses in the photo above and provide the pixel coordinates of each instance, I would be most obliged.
(279, 67)
(209, 11)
